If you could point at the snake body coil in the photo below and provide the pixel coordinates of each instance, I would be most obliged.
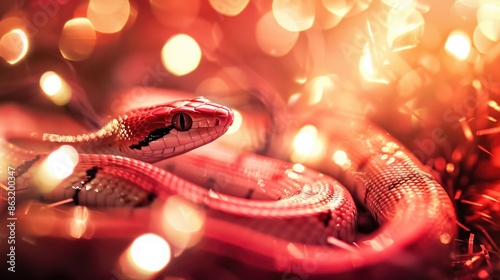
(269, 213)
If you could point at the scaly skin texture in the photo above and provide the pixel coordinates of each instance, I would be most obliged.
(278, 215)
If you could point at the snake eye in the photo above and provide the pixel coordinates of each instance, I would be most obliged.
(182, 121)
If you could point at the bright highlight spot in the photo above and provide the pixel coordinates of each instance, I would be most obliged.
(305, 139)
(272, 38)
(340, 157)
(237, 121)
(108, 16)
(182, 222)
(78, 39)
(62, 161)
(294, 15)
(78, 224)
(229, 8)
(318, 87)
(299, 168)
(150, 252)
(367, 66)
(458, 45)
(55, 88)
(306, 144)
(55, 168)
(181, 55)
(14, 46)
(488, 18)
(50, 83)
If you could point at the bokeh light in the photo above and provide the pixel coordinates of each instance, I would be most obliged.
(77, 40)
(458, 45)
(237, 121)
(229, 8)
(150, 252)
(306, 144)
(272, 38)
(78, 224)
(182, 222)
(181, 54)
(488, 18)
(55, 88)
(108, 16)
(55, 168)
(14, 46)
(296, 15)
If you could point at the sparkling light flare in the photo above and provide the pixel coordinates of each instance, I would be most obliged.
(14, 46)
(458, 44)
(55, 88)
(181, 55)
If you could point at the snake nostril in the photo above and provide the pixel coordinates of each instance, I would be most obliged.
(217, 122)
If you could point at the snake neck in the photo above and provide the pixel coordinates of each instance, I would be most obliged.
(99, 141)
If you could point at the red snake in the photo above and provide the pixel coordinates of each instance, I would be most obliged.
(265, 212)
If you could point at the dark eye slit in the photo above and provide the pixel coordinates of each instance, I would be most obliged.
(154, 135)
(182, 120)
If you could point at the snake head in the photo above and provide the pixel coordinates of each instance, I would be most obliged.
(155, 133)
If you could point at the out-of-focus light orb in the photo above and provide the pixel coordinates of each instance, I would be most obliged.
(488, 18)
(318, 87)
(150, 252)
(305, 139)
(108, 16)
(229, 8)
(55, 168)
(482, 43)
(62, 161)
(78, 224)
(237, 121)
(272, 38)
(306, 144)
(405, 27)
(340, 157)
(294, 15)
(182, 222)
(78, 39)
(181, 55)
(55, 88)
(50, 83)
(458, 44)
(183, 216)
(14, 46)
(337, 7)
